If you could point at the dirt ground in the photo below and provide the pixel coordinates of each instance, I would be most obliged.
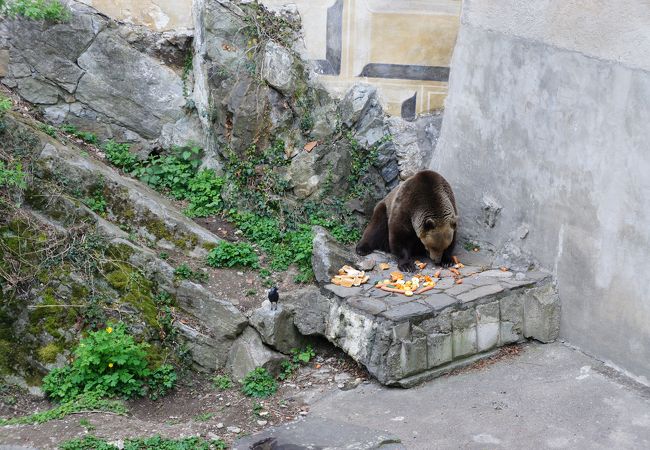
(195, 408)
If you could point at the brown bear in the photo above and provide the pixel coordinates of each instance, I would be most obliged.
(418, 217)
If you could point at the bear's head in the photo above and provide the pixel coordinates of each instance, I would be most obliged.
(436, 236)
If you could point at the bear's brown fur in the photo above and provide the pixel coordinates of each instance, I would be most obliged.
(418, 217)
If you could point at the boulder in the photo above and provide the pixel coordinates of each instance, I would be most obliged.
(278, 68)
(357, 100)
(310, 310)
(276, 327)
(249, 352)
(329, 256)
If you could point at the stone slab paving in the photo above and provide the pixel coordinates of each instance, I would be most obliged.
(406, 340)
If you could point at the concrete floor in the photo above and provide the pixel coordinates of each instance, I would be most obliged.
(550, 396)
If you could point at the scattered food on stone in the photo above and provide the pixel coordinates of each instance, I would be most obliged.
(349, 276)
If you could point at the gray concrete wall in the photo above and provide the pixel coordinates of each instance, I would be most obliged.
(547, 130)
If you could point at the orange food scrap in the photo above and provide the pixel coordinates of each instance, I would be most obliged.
(426, 288)
(384, 266)
(420, 265)
(428, 279)
(309, 146)
(396, 276)
(437, 274)
(459, 281)
(455, 271)
(503, 269)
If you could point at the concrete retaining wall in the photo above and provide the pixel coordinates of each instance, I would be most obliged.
(546, 141)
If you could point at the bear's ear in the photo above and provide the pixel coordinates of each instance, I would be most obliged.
(429, 224)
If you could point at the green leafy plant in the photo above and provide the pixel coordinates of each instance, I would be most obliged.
(259, 383)
(97, 202)
(152, 443)
(85, 136)
(184, 272)
(86, 424)
(47, 129)
(120, 155)
(298, 357)
(204, 194)
(471, 246)
(90, 401)
(50, 10)
(5, 105)
(222, 382)
(227, 254)
(161, 381)
(12, 176)
(303, 355)
(171, 172)
(109, 363)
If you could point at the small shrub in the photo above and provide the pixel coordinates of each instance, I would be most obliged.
(97, 203)
(50, 10)
(12, 176)
(204, 194)
(120, 156)
(108, 363)
(303, 356)
(259, 383)
(227, 254)
(161, 381)
(184, 272)
(5, 105)
(222, 382)
(204, 417)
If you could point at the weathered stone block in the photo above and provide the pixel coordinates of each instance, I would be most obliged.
(542, 313)
(370, 305)
(351, 331)
(276, 327)
(278, 68)
(459, 289)
(413, 356)
(438, 301)
(479, 292)
(439, 324)
(406, 311)
(311, 309)
(487, 329)
(343, 292)
(464, 332)
(512, 318)
(439, 349)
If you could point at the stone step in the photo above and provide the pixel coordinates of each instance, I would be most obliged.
(405, 340)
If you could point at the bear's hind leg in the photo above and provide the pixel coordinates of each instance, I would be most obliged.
(375, 236)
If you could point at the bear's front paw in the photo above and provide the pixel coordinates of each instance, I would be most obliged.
(363, 250)
(406, 266)
(446, 261)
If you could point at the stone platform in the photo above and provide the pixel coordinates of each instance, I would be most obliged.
(406, 340)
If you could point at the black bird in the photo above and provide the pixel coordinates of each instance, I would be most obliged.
(274, 297)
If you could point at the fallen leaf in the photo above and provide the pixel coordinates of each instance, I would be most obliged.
(309, 146)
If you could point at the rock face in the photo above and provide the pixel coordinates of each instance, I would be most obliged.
(328, 255)
(276, 327)
(117, 81)
(249, 352)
